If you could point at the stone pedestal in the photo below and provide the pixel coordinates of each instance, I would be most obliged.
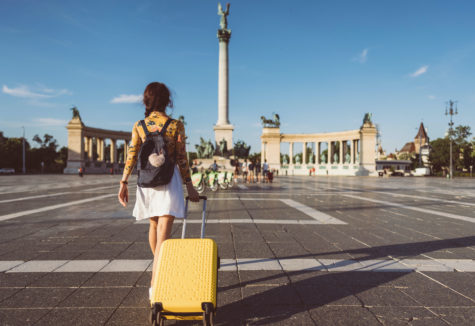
(224, 132)
(271, 142)
(367, 149)
(75, 145)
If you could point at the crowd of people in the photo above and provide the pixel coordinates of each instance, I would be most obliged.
(253, 171)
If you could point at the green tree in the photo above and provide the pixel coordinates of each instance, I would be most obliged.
(11, 152)
(43, 158)
(439, 155)
(241, 150)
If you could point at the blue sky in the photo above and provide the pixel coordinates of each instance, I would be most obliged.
(319, 64)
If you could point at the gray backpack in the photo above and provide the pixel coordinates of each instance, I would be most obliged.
(155, 167)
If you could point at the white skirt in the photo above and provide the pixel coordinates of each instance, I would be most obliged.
(161, 200)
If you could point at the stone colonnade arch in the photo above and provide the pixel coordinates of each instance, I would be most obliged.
(351, 152)
(87, 148)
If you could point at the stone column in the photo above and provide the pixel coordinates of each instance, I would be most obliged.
(352, 152)
(340, 156)
(304, 153)
(263, 152)
(291, 153)
(126, 148)
(98, 148)
(329, 152)
(223, 129)
(113, 152)
(89, 149)
(317, 152)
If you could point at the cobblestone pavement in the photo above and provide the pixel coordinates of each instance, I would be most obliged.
(300, 251)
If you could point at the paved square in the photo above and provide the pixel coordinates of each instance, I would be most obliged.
(300, 251)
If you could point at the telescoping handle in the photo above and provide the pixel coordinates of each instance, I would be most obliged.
(203, 217)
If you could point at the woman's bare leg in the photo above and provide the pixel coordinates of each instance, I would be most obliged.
(164, 229)
(152, 233)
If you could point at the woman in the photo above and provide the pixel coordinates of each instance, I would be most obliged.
(161, 205)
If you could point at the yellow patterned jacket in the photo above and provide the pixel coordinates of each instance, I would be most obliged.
(174, 138)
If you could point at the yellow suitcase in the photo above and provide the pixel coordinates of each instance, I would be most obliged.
(186, 279)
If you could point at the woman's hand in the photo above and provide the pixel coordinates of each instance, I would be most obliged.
(123, 194)
(192, 193)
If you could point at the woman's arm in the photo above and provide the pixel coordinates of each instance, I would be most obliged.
(182, 162)
(132, 153)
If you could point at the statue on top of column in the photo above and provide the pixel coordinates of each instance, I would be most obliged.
(224, 14)
(75, 112)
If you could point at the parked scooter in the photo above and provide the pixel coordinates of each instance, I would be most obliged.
(222, 180)
(199, 182)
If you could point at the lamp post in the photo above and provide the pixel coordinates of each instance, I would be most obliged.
(23, 141)
(451, 112)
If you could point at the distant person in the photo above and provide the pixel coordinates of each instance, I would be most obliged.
(257, 170)
(163, 203)
(245, 171)
(80, 172)
(214, 166)
(250, 169)
(265, 171)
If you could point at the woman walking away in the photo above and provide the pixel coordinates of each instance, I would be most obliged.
(163, 203)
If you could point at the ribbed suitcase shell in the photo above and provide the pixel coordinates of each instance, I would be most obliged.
(186, 276)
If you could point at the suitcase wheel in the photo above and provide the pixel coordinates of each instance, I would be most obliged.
(155, 316)
(208, 314)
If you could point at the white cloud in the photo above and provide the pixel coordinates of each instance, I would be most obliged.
(362, 57)
(422, 70)
(39, 92)
(124, 98)
(50, 122)
(431, 97)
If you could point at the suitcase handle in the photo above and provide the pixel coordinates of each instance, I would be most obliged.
(203, 217)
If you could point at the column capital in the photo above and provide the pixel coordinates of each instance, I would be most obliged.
(224, 35)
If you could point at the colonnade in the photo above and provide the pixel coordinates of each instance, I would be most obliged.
(351, 152)
(101, 149)
(87, 148)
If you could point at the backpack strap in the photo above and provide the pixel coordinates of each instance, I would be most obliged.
(144, 126)
(165, 126)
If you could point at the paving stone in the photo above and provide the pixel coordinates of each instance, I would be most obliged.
(266, 264)
(6, 265)
(137, 298)
(125, 265)
(61, 280)
(35, 266)
(130, 316)
(385, 296)
(405, 316)
(37, 298)
(15, 317)
(82, 266)
(18, 279)
(8, 292)
(76, 316)
(113, 279)
(343, 315)
(96, 297)
(457, 315)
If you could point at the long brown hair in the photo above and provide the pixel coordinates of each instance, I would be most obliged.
(156, 97)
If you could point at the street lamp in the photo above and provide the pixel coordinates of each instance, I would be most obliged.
(23, 141)
(451, 112)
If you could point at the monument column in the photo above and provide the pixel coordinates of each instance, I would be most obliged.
(304, 153)
(113, 152)
(291, 153)
(340, 158)
(89, 151)
(223, 128)
(352, 152)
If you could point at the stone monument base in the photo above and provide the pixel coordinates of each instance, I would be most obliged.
(224, 132)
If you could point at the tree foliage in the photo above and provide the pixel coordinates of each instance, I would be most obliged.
(11, 154)
(241, 150)
(462, 150)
